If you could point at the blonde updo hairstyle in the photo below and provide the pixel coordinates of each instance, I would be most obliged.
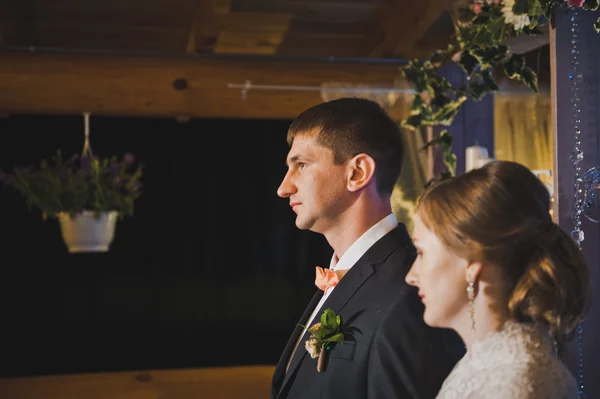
(499, 214)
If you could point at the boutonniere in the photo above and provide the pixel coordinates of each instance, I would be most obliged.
(324, 336)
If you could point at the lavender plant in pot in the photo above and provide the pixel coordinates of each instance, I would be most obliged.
(87, 195)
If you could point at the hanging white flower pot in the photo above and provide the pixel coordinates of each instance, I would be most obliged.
(88, 231)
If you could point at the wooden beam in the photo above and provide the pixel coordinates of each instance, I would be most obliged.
(250, 382)
(252, 33)
(324, 45)
(115, 37)
(206, 25)
(137, 25)
(7, 26)
(52, 83)
(16, 23)
(336, 11)
(403, 26)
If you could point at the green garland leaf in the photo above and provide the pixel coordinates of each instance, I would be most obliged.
(478, 47)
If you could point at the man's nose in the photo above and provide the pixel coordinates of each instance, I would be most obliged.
(286, 188)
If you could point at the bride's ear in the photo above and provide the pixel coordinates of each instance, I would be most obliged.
(473, 272)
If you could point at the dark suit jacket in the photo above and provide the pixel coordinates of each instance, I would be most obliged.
(390, 352)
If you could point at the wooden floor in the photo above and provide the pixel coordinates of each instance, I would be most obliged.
(248, 382)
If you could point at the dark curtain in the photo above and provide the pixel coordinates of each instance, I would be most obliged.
(210, 270)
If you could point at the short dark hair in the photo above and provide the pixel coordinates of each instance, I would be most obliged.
(351, 126)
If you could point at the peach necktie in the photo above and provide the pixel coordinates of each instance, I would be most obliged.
(325, 279)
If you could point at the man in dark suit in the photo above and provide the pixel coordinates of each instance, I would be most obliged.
(345, 158)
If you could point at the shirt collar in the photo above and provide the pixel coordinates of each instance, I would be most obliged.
(364, 242)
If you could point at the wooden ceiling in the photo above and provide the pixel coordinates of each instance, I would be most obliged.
(181, 57)
(317, 28)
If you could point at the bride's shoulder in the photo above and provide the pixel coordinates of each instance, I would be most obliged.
(514, 342)
(515, 362)
(523, 377)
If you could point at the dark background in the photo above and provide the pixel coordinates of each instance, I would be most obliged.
(209, 271)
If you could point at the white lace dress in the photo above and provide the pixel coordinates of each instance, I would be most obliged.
(516, 362)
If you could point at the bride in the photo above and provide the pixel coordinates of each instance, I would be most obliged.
(492, 266)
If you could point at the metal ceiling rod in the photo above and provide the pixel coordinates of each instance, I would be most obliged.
(248, 85)
(177, 54)
(383, 90)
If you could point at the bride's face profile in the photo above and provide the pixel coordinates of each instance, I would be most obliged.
(440, 276)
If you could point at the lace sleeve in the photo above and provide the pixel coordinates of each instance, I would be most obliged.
(517, 362)
(510, 382)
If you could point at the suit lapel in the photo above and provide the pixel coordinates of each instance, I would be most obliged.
(364, 268)
(347, 287)
(280, 373)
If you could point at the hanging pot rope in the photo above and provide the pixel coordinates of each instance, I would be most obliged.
(87, 148)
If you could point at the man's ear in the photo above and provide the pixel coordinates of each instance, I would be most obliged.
(361, 169)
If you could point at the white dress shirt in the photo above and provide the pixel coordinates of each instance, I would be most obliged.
(342, 265)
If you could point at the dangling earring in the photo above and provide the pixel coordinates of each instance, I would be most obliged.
(471, 296)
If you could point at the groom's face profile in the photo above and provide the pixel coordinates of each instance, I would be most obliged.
(314, 184)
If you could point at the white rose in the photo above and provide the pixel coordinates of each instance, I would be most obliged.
(311, 347)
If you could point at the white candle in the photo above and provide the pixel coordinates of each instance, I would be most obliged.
(473, 155)
(482, 161)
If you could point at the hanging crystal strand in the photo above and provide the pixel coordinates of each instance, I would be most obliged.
(577, 157)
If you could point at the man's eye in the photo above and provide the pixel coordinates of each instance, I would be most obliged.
(301, 165)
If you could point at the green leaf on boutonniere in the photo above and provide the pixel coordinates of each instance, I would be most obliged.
(597, 25)
(322, 332)
(329, 320)
(325, 335)
(339, 338)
